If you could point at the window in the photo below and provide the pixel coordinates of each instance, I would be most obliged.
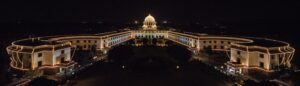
(89, 41)
(222, 47)
(77, 41)
(229, 42)
(204, 41)
(62, 51)
(272, 57)
(95, 41)
(39, 63)
(280, 59)
(222, 42)
(62, 59)
(30, 64)
(238, 60)
(215, 41)
(261, 55)
(209, 41)
(261, 64)
(71, 41)
(215, 47)
(84, 41)
(40, 54)
(238, 52)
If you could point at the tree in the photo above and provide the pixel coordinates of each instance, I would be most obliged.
(83, 57)
(207, 51)
(154, 40)
(34, 73)
(281, 69)
(250, 83)
(93, 51)
(267, 83)
(42, 81)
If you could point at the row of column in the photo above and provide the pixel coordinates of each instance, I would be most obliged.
(111, 41)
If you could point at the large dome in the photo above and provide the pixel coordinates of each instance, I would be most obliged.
(149, 23)
(149, 18)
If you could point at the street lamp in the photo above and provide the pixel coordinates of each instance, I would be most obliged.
(123, 66)
(177, 67)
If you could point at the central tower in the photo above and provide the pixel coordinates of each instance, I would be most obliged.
(149, 23)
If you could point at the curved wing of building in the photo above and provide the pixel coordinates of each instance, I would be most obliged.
(31, 54)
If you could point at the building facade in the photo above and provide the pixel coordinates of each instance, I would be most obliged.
(37, 54)
(56, 51)
(263, 54)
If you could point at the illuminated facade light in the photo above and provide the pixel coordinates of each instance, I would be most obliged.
(136, 22)
(149, 23)
(243, 52)
(177, 67)
(123, 67)
(165, 22)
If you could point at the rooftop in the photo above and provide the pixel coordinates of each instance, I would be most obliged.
(265, 42)
(35, 42)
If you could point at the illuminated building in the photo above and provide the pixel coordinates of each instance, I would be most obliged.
(260, 53)
(149, 23)
(34, 53)
(244, 52)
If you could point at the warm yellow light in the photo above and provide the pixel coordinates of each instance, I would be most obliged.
(177, 67)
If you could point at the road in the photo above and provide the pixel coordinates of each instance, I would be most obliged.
(152, 66)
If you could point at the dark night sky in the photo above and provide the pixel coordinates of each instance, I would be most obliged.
(276, 19)
(124, 11)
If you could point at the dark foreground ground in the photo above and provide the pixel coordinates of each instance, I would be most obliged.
(153, 73)
(114, 75)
